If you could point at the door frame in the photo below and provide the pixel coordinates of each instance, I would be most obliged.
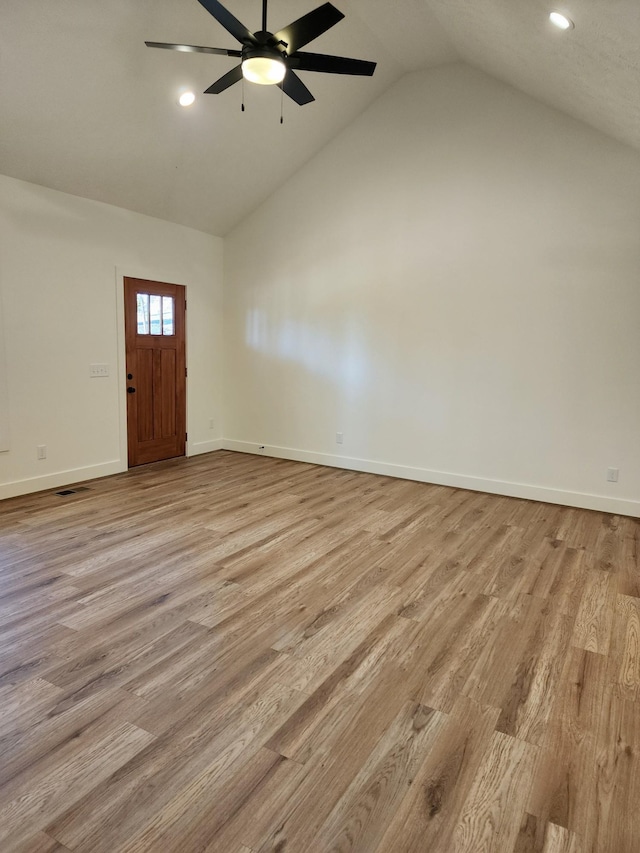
(149, 275)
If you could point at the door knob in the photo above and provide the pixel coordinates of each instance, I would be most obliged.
(131, 390)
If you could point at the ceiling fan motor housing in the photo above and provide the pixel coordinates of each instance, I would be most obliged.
(263, 50)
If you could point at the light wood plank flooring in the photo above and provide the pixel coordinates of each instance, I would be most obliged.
(240, 654)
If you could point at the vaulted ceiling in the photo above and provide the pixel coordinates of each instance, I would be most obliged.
(87, 109)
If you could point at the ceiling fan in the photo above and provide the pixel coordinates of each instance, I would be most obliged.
(273, 58)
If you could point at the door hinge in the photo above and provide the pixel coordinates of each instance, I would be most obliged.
(186, 436)
(185, 372)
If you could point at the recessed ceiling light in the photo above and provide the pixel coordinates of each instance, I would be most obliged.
(186, 99)
(561, 21)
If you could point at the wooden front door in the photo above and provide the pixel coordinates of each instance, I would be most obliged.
(154, 320)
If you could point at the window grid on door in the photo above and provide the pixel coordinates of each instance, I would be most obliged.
(155, 314)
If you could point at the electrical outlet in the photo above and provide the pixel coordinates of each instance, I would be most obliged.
(42, 451)
(612, 475)
(211, 423)
(96, 370)
(339, 438)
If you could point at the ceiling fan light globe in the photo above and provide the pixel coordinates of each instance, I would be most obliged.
(265, 70)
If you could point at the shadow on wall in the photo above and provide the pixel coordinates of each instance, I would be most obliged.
(337, 357)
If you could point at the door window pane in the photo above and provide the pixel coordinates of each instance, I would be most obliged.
(155, 314)
(142, 300)
(167, 316)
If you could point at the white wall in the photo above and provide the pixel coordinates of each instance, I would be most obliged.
(454, 284)
(4, 395)
(62, 260)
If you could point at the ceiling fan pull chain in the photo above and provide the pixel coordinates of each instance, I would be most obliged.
(282, 105)
(242, 94)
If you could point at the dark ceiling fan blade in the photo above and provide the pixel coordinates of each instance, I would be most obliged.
(330, 64)
(228, 21)
(308, 27)
(194, 48)
(225, 81)
(293, 86)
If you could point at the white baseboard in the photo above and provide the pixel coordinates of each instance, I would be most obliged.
(60, 478)
(601, 503)
(205, 447)
(89, 472)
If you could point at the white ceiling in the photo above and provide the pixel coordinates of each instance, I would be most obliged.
(87, 109)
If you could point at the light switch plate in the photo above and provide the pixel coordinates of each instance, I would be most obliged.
(96, 370)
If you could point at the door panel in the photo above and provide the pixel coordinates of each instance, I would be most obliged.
(156, 391)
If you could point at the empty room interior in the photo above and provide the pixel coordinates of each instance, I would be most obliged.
(320, 426)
